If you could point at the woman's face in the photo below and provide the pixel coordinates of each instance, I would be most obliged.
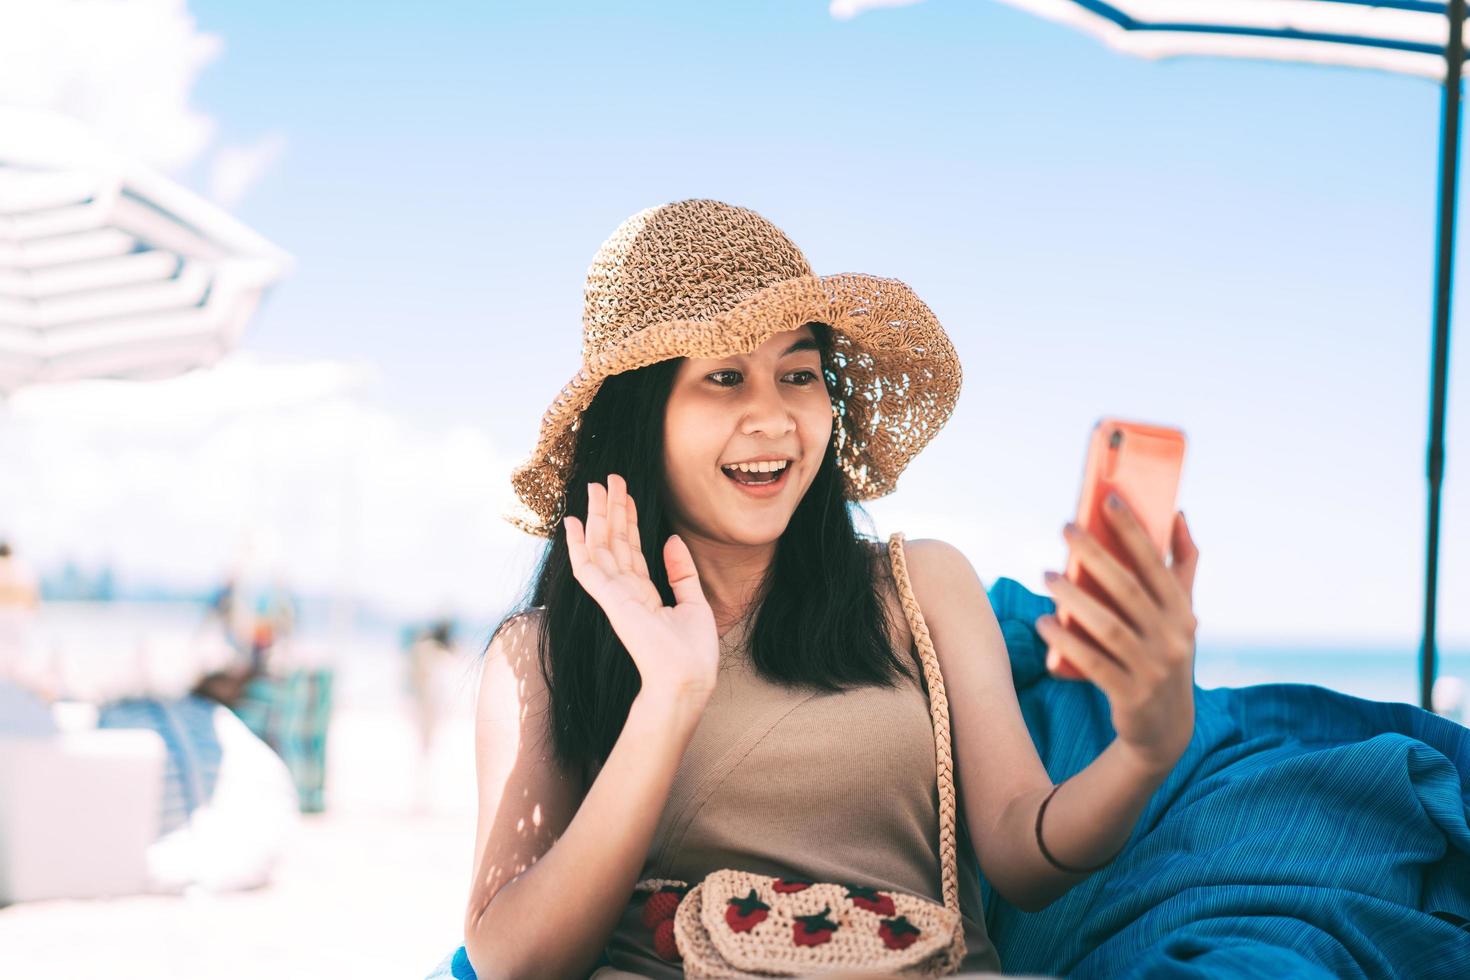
(759, 408)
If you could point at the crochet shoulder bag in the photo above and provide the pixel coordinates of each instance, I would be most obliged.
(739, 924)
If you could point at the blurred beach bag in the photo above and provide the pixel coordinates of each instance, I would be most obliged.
(290, 713)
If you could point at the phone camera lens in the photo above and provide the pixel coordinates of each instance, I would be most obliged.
(1115, 439)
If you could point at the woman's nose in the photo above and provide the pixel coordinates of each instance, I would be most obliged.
(766, 411)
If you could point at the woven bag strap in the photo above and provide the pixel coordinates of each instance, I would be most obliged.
(939, 711)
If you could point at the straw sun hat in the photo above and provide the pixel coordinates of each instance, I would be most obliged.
(701, 278)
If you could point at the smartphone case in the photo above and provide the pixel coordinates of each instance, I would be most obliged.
(1142, 463)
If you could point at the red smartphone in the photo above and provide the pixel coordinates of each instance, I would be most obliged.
(1141, 463)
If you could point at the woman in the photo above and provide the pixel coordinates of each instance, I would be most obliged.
(713, 668)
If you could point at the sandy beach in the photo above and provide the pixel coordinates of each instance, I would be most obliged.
(373, 887)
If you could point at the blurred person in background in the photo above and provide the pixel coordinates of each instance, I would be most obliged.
(275, 622)
(18, 588)
(227, 619)
(432, 658)
(224, 612)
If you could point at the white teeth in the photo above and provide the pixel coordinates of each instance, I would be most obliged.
(766, 466)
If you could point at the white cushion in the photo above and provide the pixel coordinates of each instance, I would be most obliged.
(78, 811)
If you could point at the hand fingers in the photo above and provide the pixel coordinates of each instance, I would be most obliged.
(1095, 665)
(1147, 561)
(617, 521)
(635, 541)
(1112, 633)
(598, 548)
(1184, 554)
(596, 526)
(1116, 579)
(683, 578)
(584, 569)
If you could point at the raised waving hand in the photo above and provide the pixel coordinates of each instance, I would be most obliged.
(676, 648)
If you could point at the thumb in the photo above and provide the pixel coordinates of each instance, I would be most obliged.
(683, 577)
(1184, 554)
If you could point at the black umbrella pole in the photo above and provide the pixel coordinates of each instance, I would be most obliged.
(1448, 179)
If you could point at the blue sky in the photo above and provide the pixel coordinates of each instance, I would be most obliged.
(1243, 249)
(452, 167)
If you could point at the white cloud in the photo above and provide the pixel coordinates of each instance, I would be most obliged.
(271, 469)
(848, 9)
(127, 68)
(237, 168)
(241, 383)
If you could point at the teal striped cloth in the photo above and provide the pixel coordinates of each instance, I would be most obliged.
(1305, 833)
(291, 715)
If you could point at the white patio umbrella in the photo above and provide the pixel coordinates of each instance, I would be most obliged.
(1414, 37)
(109, 269)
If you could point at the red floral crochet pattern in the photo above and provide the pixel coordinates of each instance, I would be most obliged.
(898, 933)
(871, 899)
(742, 914)
(785, 885)
(813, 930)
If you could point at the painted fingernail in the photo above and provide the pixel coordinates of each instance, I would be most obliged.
(1050, 576)
(1113, 502)
(1069, 529)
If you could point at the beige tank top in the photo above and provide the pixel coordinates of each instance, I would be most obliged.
(830, 787)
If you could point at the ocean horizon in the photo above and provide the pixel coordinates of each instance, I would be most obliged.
(102, 644)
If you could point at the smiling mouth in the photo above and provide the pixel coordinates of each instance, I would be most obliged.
(753, 477)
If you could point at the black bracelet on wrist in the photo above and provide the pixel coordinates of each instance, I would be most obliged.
(1047, 854)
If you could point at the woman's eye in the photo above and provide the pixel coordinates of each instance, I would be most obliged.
(802, 378)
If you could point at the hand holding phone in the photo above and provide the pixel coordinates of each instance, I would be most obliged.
(1142, 464)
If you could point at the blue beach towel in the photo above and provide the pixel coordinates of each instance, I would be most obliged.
(1305, 833)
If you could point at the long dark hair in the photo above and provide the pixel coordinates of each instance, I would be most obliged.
(822, 621)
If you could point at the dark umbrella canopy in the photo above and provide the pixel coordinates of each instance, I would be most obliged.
(1403, 36)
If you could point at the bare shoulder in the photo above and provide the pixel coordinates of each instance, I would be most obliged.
(526, 799)
(945, 585)
(512, 678)
(517, 641)
(944, 578)
(953, 601)
(924, 554)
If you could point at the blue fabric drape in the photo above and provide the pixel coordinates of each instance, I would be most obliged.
(194, 752)
(1305, 833)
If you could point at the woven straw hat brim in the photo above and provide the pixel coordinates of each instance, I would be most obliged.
(898, 380)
